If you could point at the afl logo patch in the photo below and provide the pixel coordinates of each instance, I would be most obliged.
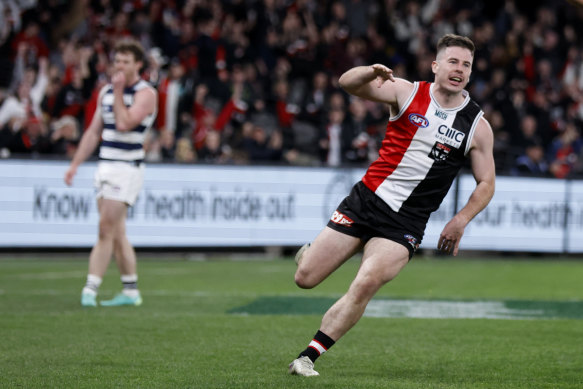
(418, 120)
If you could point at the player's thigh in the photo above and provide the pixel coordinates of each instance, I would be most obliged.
(112, 212)
(329, 250)
(382, 260)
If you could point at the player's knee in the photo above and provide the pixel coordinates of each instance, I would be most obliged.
(305, 280)
(106, 229)
(364, 289)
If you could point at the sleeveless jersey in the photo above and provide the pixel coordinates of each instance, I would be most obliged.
(424, 148)
(122, 145)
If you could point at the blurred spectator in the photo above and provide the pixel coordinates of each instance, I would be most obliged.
(333, 143)
(65, 136)
(564, 151)
(358, 122)
(315, 101)
(214, 151)
(532, 162)
(30, 91)
(10, 24)
(170, 93)
(184, 150)
(74, 94)
(32, 138)
(32, 40)
(154, 72)
(259, 146)
(159, 146)
(345, 138)
(525, 133)
(209, 116)
(502, 149)
(276, 64)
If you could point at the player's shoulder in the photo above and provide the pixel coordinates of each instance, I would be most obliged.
(403, 89)
(484, 123)
(405, 85)
(144, 88)
(483, 132)
(148, 86)
(142, 84)
(105, 88)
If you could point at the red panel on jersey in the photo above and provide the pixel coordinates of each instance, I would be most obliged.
(398, 137)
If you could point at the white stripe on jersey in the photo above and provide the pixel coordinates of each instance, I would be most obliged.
(125, 137)
(416, 162)
(472, 131)
(407, 102)
(121, 155)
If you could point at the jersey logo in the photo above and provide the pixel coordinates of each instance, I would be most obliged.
(450, 136)
(439, 152)
(440, 114)
(418, 120)
(341, 219)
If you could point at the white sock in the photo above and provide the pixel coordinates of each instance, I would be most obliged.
(131, 292)
(92, 285)
(130, 285)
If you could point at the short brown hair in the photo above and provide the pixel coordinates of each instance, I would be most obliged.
(449, 40)
(131, 46)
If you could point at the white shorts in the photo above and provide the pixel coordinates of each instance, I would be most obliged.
(120, 181)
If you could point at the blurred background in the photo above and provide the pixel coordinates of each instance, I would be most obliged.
(253, 85)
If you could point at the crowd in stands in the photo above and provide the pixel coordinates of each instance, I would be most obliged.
(256, 81)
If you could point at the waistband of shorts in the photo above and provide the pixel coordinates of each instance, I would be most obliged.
(136, 163)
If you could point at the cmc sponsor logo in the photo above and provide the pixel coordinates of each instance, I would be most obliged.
(451, 133)
(418, 120)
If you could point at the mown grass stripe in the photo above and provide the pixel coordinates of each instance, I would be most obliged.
(427, 309)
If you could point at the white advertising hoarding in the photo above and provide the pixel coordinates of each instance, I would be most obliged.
(213, 206)
(575, 220)
(180, 205)
(525, 214)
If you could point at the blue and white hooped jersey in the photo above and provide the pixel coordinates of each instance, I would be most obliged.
(122, 145)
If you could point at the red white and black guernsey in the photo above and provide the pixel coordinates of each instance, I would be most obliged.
(425, 146)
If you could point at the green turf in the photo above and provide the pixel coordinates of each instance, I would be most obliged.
(184, 335)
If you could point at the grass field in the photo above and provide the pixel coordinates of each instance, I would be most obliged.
(237, 324)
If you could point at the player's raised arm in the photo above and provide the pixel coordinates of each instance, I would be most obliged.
(127, 118)
(376, 83)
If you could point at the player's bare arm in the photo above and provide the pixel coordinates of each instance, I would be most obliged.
(483, 170)
(127, 118)
(376, 83)
(88, 143)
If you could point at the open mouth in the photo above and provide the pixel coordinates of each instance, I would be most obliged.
(456, 80)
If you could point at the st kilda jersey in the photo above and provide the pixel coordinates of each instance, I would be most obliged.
(424, 148)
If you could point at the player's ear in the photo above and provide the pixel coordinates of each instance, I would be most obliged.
(434, 66)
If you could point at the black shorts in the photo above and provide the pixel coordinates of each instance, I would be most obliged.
(364, 215)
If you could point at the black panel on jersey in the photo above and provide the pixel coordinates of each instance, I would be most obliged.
(429, 194)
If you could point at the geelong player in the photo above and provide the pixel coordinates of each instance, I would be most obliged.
(126, 110)
(433, 128)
